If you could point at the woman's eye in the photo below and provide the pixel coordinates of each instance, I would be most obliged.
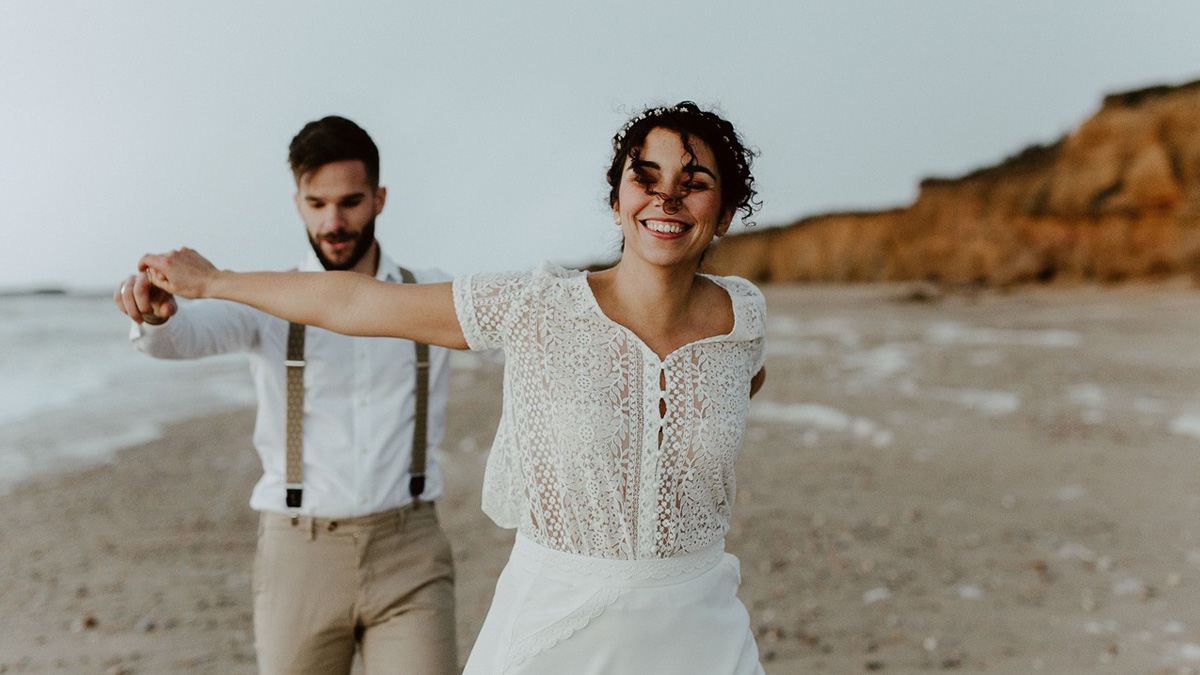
(696, 185)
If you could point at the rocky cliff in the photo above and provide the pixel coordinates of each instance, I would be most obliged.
(1116, 199)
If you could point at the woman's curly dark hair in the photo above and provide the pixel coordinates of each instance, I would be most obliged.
(689, 120)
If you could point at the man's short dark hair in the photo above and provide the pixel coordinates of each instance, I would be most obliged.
(332, 139)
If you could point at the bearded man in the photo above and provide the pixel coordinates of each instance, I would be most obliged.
(350, 555)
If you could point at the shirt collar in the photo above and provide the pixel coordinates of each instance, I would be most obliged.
(386, 271)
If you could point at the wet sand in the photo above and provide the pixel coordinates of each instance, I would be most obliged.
(989, 482)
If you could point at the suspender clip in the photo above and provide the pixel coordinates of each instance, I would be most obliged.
(416, 485)
(295, 495)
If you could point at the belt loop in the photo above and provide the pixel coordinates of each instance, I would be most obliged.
(402, 517)
(312, 528)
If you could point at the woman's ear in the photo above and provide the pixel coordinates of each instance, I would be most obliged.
(723, 224)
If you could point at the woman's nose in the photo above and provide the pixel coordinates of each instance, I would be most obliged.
(670, 201)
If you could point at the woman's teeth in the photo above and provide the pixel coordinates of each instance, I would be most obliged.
(664, 227)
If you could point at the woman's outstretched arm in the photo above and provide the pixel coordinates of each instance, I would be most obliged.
(344, 302)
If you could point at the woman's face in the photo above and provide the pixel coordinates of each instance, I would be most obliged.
(669, 201)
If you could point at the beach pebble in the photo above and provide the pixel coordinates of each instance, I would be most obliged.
(1191, 652)
(1174, 580)
(1100, 627)
(969, 592)
(875, 595)
(87, 621)
(1129, 586)
(930, 644)
(1069, 492)
(147, 624)
(952, 663)
(1077, 551)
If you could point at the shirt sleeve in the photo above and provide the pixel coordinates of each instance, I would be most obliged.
(201, 328)
(489, 305)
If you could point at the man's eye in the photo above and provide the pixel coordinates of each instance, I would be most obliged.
(317, 205)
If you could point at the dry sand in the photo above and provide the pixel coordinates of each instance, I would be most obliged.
(997, 483)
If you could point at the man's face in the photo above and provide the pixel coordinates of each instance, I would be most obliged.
(338, 206)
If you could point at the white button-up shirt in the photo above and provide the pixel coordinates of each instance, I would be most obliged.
(359, 400)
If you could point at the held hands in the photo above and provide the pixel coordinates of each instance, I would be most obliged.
(184, 272)
(144, 302)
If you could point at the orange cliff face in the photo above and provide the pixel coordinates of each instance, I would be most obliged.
(1117, 199)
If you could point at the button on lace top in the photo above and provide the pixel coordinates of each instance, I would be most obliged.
(603, 449)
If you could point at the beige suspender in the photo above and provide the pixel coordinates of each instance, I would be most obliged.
(416, 480)
(295, 415)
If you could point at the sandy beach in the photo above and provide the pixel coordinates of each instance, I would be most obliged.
(970, 482)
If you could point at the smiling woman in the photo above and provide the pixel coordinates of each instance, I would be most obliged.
(626, 393)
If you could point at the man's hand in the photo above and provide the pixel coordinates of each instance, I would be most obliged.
(144, 302)
(184, 272)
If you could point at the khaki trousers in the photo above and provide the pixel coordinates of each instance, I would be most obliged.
(383, 583)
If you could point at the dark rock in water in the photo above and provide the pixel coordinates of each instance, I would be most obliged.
(16, 293)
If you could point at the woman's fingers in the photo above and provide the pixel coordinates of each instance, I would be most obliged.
(183, 272)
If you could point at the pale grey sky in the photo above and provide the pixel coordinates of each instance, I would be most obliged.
(128, 127)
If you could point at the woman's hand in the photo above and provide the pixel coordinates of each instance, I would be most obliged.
(183, 272)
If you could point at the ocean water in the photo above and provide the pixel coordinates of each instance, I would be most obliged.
(73, 390)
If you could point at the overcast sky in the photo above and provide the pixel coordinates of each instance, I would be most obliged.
(128, 127)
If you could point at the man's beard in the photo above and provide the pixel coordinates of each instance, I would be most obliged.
(363, 241)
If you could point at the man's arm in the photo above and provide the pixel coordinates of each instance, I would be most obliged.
(198, 329)
(344, 302)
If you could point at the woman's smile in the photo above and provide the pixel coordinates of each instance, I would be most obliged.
(666, 228)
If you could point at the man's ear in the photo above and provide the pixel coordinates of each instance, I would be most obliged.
(380, 198)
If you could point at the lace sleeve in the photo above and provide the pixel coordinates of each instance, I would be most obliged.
(486, 305)
(750, 310)
(759, 350)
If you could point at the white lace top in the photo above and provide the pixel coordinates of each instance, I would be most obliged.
(582, 461)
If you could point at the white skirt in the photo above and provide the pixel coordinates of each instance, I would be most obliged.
(556, 613)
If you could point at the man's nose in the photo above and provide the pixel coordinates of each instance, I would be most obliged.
(335, 217)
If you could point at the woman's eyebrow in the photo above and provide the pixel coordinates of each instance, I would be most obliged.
(689, 168)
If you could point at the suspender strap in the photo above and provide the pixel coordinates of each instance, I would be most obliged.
(295, 416)
(416, 481)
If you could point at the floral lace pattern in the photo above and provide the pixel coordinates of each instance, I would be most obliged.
(584, 459)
